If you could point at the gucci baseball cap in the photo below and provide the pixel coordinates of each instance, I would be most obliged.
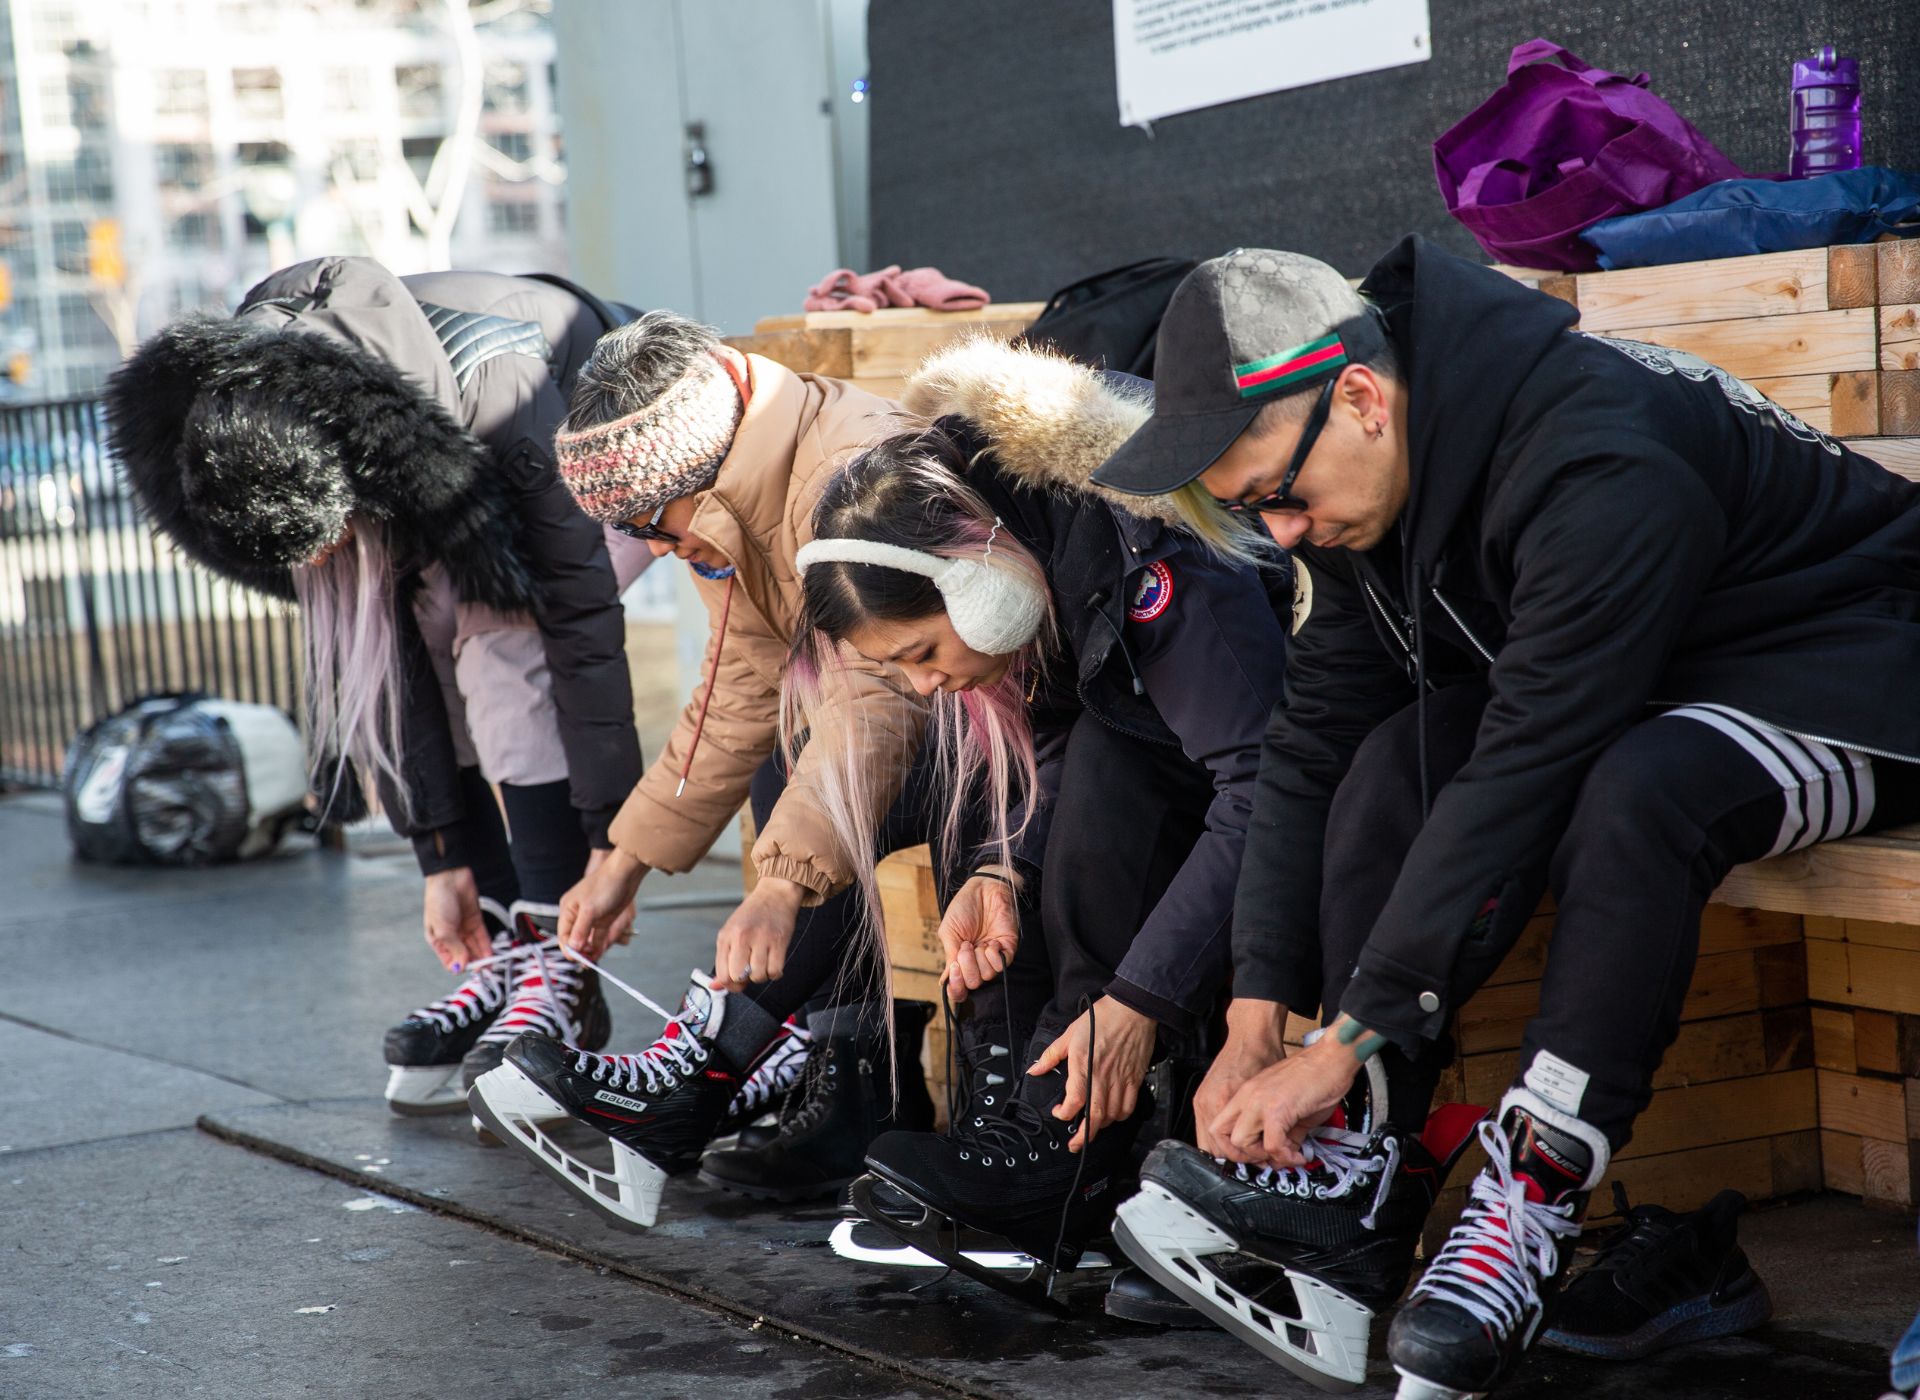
(1241, 330)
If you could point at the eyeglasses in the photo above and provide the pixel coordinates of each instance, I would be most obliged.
(649, 531)
(1284, 499)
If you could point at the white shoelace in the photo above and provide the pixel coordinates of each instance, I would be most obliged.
(1333, 1151)
(776, 1072)
(1503, 1246)
(545, 994)
(666, 1063)
(488, 981)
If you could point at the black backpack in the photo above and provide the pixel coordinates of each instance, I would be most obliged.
(1111, 320)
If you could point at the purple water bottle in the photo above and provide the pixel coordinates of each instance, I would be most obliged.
(1826, 114)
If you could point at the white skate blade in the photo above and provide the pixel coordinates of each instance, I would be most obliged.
(904, 1256)
(1326, 1345)
(425, 1088)
(1413, 1388)
(515, 1109)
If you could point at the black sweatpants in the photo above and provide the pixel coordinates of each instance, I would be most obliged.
(827, 935)
(1127, 816)
(1662, 816)
(537, 852)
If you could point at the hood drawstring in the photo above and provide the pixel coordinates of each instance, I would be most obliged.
(1415, 598)
(1097, 602)
(713, 676)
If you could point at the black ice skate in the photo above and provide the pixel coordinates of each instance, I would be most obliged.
(658, 1108)
(1477, 1308)
(753, 1115)
(1296, 1263)
(857, 1239)
(845, 1101)
(424, 1051)
(1004, 1171)
(1660, 1279)
(552, 994)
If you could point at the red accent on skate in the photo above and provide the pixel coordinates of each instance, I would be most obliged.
(1489, 1251)
(1338, 1118)
(1449, 1129)
(721, 1075)
(616, 1117)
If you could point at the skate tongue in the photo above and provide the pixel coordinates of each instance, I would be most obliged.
(1553, 1164)
(704, 1009)
(535, 923)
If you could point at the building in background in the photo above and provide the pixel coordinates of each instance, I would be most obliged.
(162, 155)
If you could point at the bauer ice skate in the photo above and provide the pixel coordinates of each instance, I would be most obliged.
(425, 1050)
(658, 1108)
(1481, 1301)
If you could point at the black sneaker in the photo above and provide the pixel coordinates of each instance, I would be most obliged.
(1480, 1303)
(1661, 1279)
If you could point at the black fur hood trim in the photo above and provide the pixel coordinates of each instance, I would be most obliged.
(249, 446)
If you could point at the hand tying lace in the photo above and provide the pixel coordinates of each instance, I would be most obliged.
(1330, 1152)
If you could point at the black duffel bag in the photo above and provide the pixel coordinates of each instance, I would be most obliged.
(1111, 320)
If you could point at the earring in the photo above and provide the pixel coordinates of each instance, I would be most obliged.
(1379, 430)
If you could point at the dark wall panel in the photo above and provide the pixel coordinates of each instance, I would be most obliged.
(997, 154)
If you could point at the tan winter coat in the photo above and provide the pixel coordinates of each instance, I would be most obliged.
(797, 431)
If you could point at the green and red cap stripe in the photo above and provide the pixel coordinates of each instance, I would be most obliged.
(1290, 367)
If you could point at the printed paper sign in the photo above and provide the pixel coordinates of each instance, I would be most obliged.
(1177, 55)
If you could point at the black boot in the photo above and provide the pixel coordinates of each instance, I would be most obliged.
(842, 1105)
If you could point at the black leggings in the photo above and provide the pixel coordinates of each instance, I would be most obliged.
(546, 852)
(828, 951)
(1661, 817)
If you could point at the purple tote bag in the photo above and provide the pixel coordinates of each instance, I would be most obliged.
(1561, 146)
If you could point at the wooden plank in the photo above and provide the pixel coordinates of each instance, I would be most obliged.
(1725, 929)
(1766, 347)
(1851, 1103)
(1840, 1162)
(1782, 974)
(1886, 1173)
(1796, 1162)
(892, 317)
(1876, 1040)
(1786, 1037)
(895, 352)
(1899, 395)
(1526, 961)
(1900, 337)
(803, 351)
(1853, 405)
(1725, 289)
(1809, 397)
(1865, 877)
(1724, 984)
(1733, 1110)
(1876, 934)
(1704, 1052)
(1898, 273)
(1859, 974)
(910, 909)
(1853, 276)
(1833, 1046)
(1899, 455)
(1688, 1180)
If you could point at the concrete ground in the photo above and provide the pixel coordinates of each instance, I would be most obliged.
(201, 1194)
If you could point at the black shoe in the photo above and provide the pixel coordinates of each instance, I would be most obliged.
(1661, 1279)
(1006, 1171)
(424, 1051)
(552, 995)
(1296, 1263)
(1478, 1306)
(843, 1104)
(658, 1107)
(1136, 1296)
(753, 1116)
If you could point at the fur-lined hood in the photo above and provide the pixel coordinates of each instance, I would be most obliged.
(249, 440)
(1051, 421)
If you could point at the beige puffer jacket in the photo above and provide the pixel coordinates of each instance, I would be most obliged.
(797, 431)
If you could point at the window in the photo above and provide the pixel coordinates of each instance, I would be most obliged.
(182, 167)
(88, 176)
(81, 327)
(421, 91)
(180, 92)
(87, 102)
(70, 246)
(506, 88)
(418, 152)
(256, 92)
(355, 160)
(513, 216)
(347, 89)
(514, 145)
(264, 153)
(196, 232)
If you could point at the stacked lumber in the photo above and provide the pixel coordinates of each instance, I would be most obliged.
(1830, 334)
(877, 350)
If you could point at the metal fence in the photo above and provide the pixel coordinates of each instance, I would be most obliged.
(95, 610)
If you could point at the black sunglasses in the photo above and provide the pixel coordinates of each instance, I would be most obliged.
(1284, 499)
(649, 531)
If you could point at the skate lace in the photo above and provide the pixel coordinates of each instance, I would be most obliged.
(663, 1065)
(484, 991)
(546, 992)
(806, 1107)
(1503, 1246)
(1337, 1161)
(776, 1072)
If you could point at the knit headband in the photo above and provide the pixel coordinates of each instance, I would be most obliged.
(995, 608)
(671, 448)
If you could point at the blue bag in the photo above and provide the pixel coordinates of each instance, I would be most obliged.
(1732, 218)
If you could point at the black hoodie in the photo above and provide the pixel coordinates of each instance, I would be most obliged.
(1597, 528)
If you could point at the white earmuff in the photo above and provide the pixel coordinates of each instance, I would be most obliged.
(995, 608)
